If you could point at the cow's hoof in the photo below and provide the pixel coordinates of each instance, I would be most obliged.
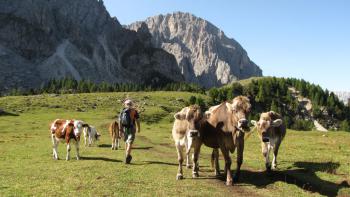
(195, 175)
(188, 166)
(217, 174)
(179, 177)
(228, 183)
(274, 167)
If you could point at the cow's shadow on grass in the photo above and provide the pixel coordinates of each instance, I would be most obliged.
(143, 148)
(4, 113)
(100, 158)
(304, 177)
(105, 145)
(136, 148)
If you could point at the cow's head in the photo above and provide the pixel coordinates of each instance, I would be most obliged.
(79, 126)
(97, 136)
(230, 117)
(241, 108)
(193, 116)
(266, 123)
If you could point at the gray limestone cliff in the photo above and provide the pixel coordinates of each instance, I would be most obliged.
(203, 52)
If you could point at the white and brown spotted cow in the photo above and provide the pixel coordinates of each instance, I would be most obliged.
(115, 135)
(271, 130)
(185, 133)
(90, 134)
(66, 131)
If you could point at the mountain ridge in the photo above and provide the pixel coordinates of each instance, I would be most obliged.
(199, 45)
(43, 40)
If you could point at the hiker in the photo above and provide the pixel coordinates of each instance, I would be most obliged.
(129, 123)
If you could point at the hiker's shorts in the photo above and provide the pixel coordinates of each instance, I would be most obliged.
(129, 135)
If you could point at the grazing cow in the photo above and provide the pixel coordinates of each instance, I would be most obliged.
(271, 130)
(66, 131)
(91, 134)
(185, 133)
(224, 128)
(115, 135)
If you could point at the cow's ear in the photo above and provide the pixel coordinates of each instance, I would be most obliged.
(207, 115)
(277, 123)
(254, 123)
(180, 116)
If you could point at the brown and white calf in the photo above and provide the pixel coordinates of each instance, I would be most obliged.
(66, 131)
(90, 134)
(271, 130)
(115, 135)
(185, 133)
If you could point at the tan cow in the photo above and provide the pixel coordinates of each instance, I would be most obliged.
(66, 131)
(271, 130)
(224, 128)
(185, 133)
(114, 132)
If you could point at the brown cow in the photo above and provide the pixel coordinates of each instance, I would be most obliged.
(66, 131)
(224, 128)
(114, 132)
(185, 133)
(271, 130)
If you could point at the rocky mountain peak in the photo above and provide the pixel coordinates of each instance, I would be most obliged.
(203, 52)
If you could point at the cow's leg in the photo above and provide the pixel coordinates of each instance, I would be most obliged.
(196, 151)
(275, 153)
(228, 162)
(215, 161)
(85, 136)
(179, 148)
(77, 150)
(90, 140)
(265, 149)
(68, 151)
(188, 145)
(113, 142)
(118, 142)
(54, 147)
(240, 149)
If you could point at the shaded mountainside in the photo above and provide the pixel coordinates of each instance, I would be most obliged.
(203, 52)
(41, 40)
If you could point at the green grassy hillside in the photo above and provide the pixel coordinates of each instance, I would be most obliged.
(310, 163)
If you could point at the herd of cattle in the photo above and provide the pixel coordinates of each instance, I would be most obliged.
(221, 127)
(68, 131)
(224, 127)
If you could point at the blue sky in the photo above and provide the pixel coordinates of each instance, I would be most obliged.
(307, 39)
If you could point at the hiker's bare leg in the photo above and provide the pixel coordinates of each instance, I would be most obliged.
(128, 148)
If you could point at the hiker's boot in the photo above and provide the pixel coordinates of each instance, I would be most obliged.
(128, 159)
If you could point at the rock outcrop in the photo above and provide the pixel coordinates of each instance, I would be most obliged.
(203, 52)
(45, 39)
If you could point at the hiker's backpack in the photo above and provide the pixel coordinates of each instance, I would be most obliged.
(125, 118)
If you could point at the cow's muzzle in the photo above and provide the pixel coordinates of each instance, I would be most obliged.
(193, 133)
(265, 137)
(243, 124)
